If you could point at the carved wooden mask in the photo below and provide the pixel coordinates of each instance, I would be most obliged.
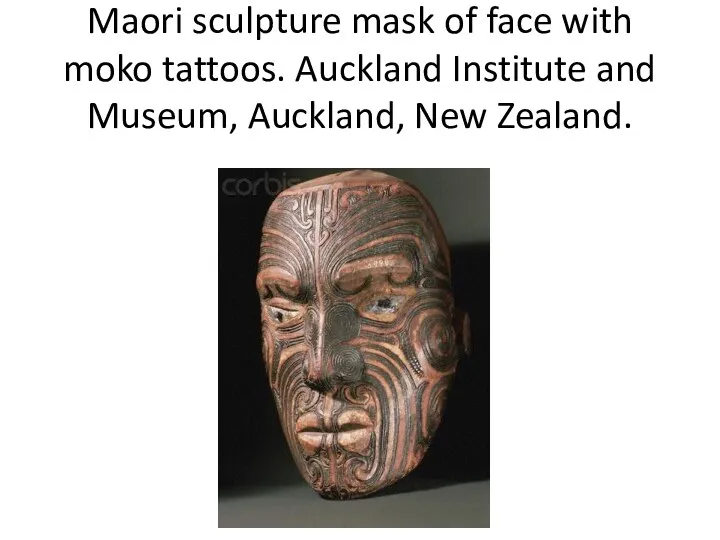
(358, 327)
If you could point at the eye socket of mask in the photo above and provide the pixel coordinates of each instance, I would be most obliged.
(385, 304)
(281, 315)
(382, 307)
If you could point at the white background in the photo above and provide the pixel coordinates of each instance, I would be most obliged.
(604, 285)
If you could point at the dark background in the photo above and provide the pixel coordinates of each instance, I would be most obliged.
(253, 454)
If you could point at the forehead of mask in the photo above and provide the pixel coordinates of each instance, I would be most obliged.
(346, 232)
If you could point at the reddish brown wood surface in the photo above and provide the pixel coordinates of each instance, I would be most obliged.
(358, 327)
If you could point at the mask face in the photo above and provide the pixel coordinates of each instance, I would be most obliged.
(358, 335)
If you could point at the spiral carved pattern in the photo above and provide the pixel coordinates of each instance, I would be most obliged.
(438, 343)
(357, 328)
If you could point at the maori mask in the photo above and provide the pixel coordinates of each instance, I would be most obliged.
(359, 334)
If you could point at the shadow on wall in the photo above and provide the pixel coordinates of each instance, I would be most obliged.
(252, 452)
(251, 447)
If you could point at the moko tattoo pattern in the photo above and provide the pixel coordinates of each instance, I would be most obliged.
(358, 327)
